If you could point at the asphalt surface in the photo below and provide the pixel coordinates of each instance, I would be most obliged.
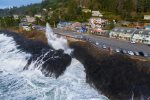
(101, 42)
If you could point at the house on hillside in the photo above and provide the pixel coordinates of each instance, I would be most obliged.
(146, 17)
(30, 19)
(86, 10)
(122, 33)
(96, 14)
(63, 24)
(141, 36)
(16, 17)
(24, 19)
(38, 15)
(97, 22)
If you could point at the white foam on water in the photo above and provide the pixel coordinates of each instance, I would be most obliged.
(16, 84)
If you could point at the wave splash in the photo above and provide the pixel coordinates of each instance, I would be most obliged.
(56, 42)
(31, 84)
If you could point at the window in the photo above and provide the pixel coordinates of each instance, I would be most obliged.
(122, 30)
(116, 29)
(128, 31)
(147, 36)
(140, 32)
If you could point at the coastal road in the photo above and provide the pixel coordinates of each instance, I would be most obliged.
(108, 42)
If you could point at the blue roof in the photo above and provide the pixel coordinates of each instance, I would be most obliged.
(147, 26)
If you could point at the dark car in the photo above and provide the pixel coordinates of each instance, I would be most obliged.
(124, 51)
(143, 54)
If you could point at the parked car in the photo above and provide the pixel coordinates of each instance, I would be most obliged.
(117, 50)
(130, 53)
(97, 43)
(104, 46)
(143, 54)
(124, 51)
(133, 42)
(136, 53)
(78, 36)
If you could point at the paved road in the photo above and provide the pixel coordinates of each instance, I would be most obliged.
(109, 42)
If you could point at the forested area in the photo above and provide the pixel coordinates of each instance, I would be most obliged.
(72, 9)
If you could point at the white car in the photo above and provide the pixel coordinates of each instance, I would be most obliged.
(132, 42)
(117, 50)
(97, 43)
(104, 46)
(130, 53)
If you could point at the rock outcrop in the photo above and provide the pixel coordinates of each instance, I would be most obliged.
(117, 76)
(53, 62)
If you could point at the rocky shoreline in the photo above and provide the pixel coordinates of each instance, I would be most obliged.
(117, 76)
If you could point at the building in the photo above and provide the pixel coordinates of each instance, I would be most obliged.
(141, 36)
(122, 33)
(38, 16)
(96, 14)
(24, 19)
(16, 17)
(63, 24)
(131, 34)
(97, 22)
(30, 19)
(86, 10)
(146, 17)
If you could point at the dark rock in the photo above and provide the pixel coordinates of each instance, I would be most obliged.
(117, 76)
(54, 62)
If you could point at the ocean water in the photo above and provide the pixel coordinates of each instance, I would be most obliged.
(31, 84)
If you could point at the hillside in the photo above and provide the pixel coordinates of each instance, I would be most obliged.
(71, 9)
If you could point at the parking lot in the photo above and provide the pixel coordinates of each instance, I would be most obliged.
(119, 46)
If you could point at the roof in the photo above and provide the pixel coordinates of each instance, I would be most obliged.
(30, 19)
(124, 30)
(131, 30)
(96, 13)
(147, 26)
(86, 10)
(142, 31)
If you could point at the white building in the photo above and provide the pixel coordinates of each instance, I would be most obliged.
(141, 36)
(16, 16)
(86, 10)
(146, 17)
(97, 22)
(30, 19)
(38, 15)
(122, 33)
(131, 34)
(96, 14)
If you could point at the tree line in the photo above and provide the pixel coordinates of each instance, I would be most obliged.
(8, 21)
(71, 10)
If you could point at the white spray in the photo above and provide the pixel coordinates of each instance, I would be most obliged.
(55, 42)
(16, 84)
